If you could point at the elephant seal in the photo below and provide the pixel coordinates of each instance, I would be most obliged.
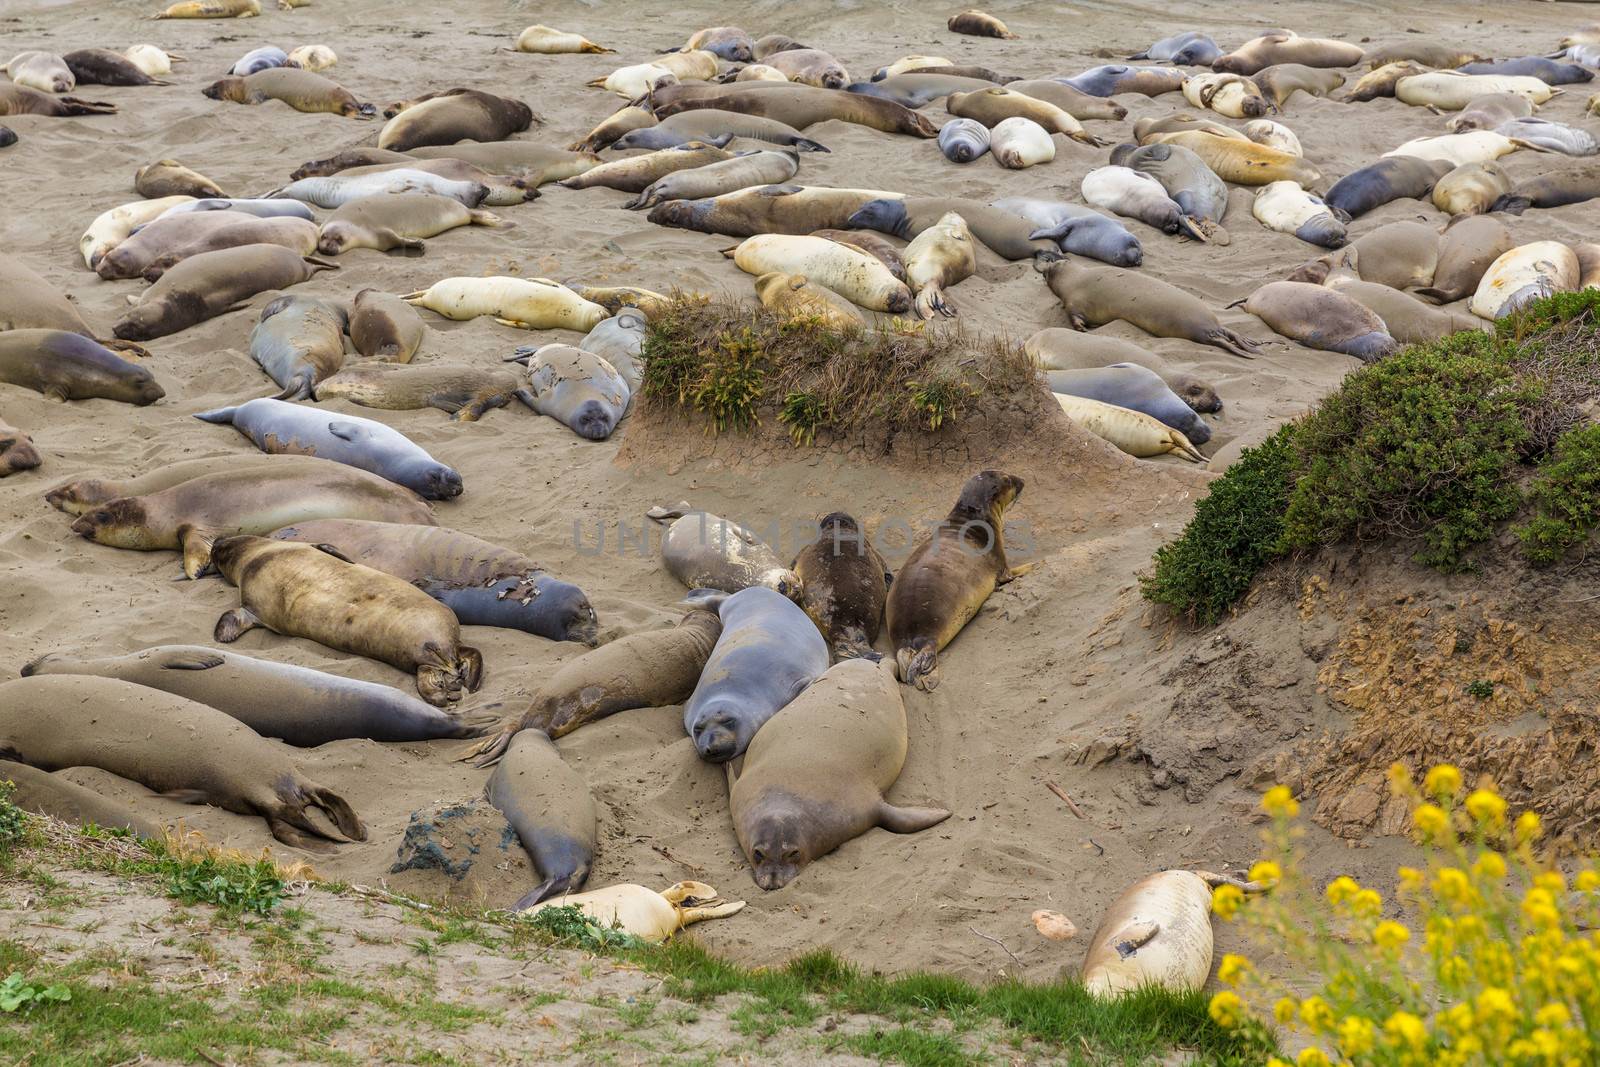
(794, 296)
(948, 576)
(1381, 81)
(652, 669)
(503, 189)
(544, 40)
(963, 140)
(1281, 81)
(1451, 90)
(21, 100)
(1550, 136)
(724, 42)
(16, 451)
(1468, 246)
(789, 208)
(637, 173)
(1112, 79)
(1475, 146)
(259, 208)
(1075, 102)
(1200, 195)
(815, 776)
(300, 89)
(614, 298)
(111, 228)
(858, 277)
(454, 115)
(799, 106)
(1287, 208)
(1188, 49)
(1232, 95)
(1158, 933)
(1546, 70)
(211, 284)
(179, 748)
(1489, 112)
(1401, 255)
(68, 366)
(306, 591)
(704, 551)
(264, 58)
(49, 794)
(339, 189)
(465, 391)
(527, 303)
(313, 57)
(772, 44)
(1093, 296)
(85, 494)
(1471, 189)
(936, 259)
(1238, 159)
(535, 163)
(977, 23)
(844, 584)
(1057, 348)
(714, 179)
(1388, 179)
(152, 60)
(212, 9)
(299, 342)
(382, 326)
(993, 106)
(755, 72)
(619, 340)
(133, 255)
(1152, 130)
(1019, 142)
(638, 80)
(397, 220)
(297, 235)
(1135, 195)
(297, 705)
(101, 66)
(650, 916)
(715, 128)
(1424, 51)
(1321, 318)
(910, 63)
(275, 426)
(621, 122)
(576, 388)
(1078, 230)
(44, 71)
(482, 583)
(873, 244)
(1133, 432)
(809, 66)
(1407, 319)
(1524, 274)
(1137, 388)
(1573, 184)
(1006, 234)
(1274, 48)
(549, 806)
(8, 137)
(920, 88)
(769, 651)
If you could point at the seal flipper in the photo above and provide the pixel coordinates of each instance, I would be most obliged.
(918, 664)
(689, 916)
(234, 623)
(193, 661)
(909, 820)
(222, 416)
(292, 837)
(333, 550)
(1134, 936)
(196, 551)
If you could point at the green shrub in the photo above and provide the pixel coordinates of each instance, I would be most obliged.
(234, 885)
(804, 414)
(568, 924)
(1236, 530)
(1550, 313)
(1565, 498)
(13, 820)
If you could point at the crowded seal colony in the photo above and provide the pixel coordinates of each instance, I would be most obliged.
(321, 525)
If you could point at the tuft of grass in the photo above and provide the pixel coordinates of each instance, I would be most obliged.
(232, 885)
(804, 414)
(1565, 498)
(915, 1048)
(1552, 313)
(13, 820)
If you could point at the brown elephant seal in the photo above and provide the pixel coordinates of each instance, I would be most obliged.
(788, 208)
(382, 326)
(1401, 255)
(794, 296)
(465, 391)
(397, 220)
(213, 9)
(936, 259)
(1321, 318)
(16, 451)
(1421, 50)
(454, 115)
(308, 591)
(168, 177)
(296, 234)
(299, 341)
(728, 176)
(1468, 246)
(297, 705)
(948, 576)
(1075, 102)
(1158, 933)
(772, 44)
(302, 90)
(211, 284)
(68, 366)
(1576, 184)
(1381, 81)
(619, 123)
(993, 106)
(1390, 178)
(815, 775)
(28, 302)
(1490, 111)
(977, 23)
(705, 551)
(549, 806)
(653, 669)
(546, 40)
(85, 494)
(483, 583)
(879, 248)
(1238, 159)
(1274, 48)
(131, 257)
(1002, 232)
(799, 106)
(1282, 80)
(49, 794)
(1407, 319)
(1152, 129)
(1057, 348)
(191, 515)
(21, 100)
(810, 66)
(534, 163)
(101, 66)
(637, 173)
(844, 584)
(182, 750)
(1471, 189)
(1096, 295)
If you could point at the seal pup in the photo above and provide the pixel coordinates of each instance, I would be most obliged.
(705, 551)
(101, 66)
(1381, 81)
(526, 303)
(1390, 178)
(1274, 135)
(1471, 189)
(1451, 90)
(1188, 49)
(767, 654)
(1075, 102)
(1200, 195)
(464, 391)
(619, 340)
(504, 189)
(715, 127)
(725, 42)
(212, 9)
(844, 585)
(1545, 68)
(1232, 95)
(815, 776)
(644, 913)
(152, 60)
(637, 173)
(937, 258)
(994, 105)
(726, 176)
(264, 58)
(1077, 229)
(1571, 184)
(858, 277)
(1475, 146)
(111, 228)
(450, 116)
(1466, 249)
(211, 284)
(1281, 81)
(313, 57)
(977, 23)
(68, 366)
(382, 326)
(544, 40)
(786, 209)
(1094, 296)
(43, 71)
(794, 297)
(300, 89)
(809, 66)
(1321, 318)
(295, 234)
(296, 705)
(1018, 142)
(948, 576)
(1113, 79)
(1287, 208)
(1158, 933)
(874, 245)
(963, 140)
(1136, 195)
(1489, 112)
(133, 255)
(799, 106)
(622, 121)
(549, 806)
(1058, 348)
(1236, 158)
(1551, 136)
(307, 591)
(574, 387)
(332, 191)
(1003, 232)
(179, 748)
(1133, 432)
(299, 341)
(397, 220)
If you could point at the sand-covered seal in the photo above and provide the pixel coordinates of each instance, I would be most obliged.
(211, 284)
(296, 705)
(191, 515)
(1075, 102)
(1423, 50)
(49, 794)
(1200, 195)
(1077, 229)
(1399, 254)
(483, 583)
(16, 451)
(948, 576)
(1381, 81)
(133, 255)
(68, 366)
(464, 390)
(397, 220)
(313, 57)
(299, 341)
(382, 326)
(1526, 273)
(1139, 435)
(307, 591)
(503, 189)
(545, 40)
(875, 245)
(1281, 81)
(844, 584)
(1388, 179)
(1466, 249)
(1274, 48)
(21, 100)
(454, 115)
(29, 302)
(787, 208)
(1287, 208)
(1471, 189)
(101, 66)
(714, 179)
(1057, 348)
(810, 66)
(715, 127)
(794, 296)
(1018, 143)
(614, 298)
(637, 173)
(644, 913)
(725, 42)
(1236, 158)
(769, 651)
(527, 303)
(1154, 130)
(963, 140)
(1006, 234)
(1093, 296)
(705, 551)
(276, 426)
(1451, 90)
(1137, 388)
(1115, 78)
(302, 90)
(854, 275)
(815, 776)
(212, 9)
(977, 23)
(549, 806)
(111, 228)
(1190, 48)
(1158, 933)
(179, 748)
(1321, 318)
(576, 388)
(994, 105)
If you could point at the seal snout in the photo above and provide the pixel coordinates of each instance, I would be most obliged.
(593, 421)
(443, 483)
(716, 739)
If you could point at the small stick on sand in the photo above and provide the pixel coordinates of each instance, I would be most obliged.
(1062, 793)
(996, 940)
(681, 863)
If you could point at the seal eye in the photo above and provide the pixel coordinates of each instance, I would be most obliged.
(759, 856)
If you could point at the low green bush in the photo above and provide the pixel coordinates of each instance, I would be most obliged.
(1565, 498)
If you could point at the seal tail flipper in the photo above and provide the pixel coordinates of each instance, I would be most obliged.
(220, 415)
(805, 144)
(471, 666)
(299, 387)
(919, 664)
(1436, 296)
(1214, 880)
(1141, 55)
(851, 643)
(705, 599)
(292, 837)
(338, 810)
(909, 820)
(487, 753)
(1194, 228)
(480, 217)
(234, 623)
(1514, 205)
(1133, 937)
(196, 552)
(1227, 340)
(558, 885)
(720, 910)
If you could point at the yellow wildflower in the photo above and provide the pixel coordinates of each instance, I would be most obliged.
(1316, 1014)
(1312, 1057)
(1232, 969)
(1227, 1009)
(1273, 1061)
(1266, 872)
(1226, 900)
(1367, 904)
(1496, 1011)
(1457, 1019)
(1430, 820)
(1553, 881)
(1490, 867)
(1528, 827)
(1399, 778)
(1451, 886)
(1279, 802)
(1406, 1030)
(1487, 807)
(1411, 880)
(1284, 1009)
(1341, 889)
(1539, 908)
(1442, 781)
(1390, 935)
(1554, 1014)
(1357, 1036)
(1587, 881)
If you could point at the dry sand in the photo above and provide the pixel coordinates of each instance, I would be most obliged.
(1055, 661)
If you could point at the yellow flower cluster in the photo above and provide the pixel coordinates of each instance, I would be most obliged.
(1506, 969)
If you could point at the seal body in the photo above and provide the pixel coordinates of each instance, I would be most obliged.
(101, 66)
(337, 190)
(1157, 933)
(637, 173)
(1137, 388)
(1077, 229)
(1273, 48)
(714, 179)
(1236, 158)
(296, 234)
(1133, 432)
(1282, 80)
(1407, 319)
(576, 388)
(979, 24)
(995, 105)
(464, 390)
(800, 106)
(769, 651)
(1542, 67)
(809, 66)
(382, 326)
(212, 9)
(1390, 178)
(1558, 188)
(1321, 318)
(948, 576)
(1062, 349)
(263, 58)
(1467, 248)
(210, 284)
(1075, 102)
(455, 115)
(302, 90)
(794, 296)
(396, 220)
(503, 189)
(1475, 146)
(644, 913)
(1188, 49)
(1115, 78)
(552, 42)
(1471, 189)
(1451, 90)
(783, 209)
(528, 303)
(68, 366)
(1232, 95)
(844, 584)
(619, 340)
(16, 451)
(963, 140)
(1132, 194)
(549, 806)
(85, 494)
(704, 551)
(1094, 296)
(21, 100)
(1287, 208)
(1019, 142)
(111, 228)
(716, 127)
(1201, 196)
(852, 274)
(150, 59)
(299, 342)
(1524, 274)
(160, 236)
(43, 71)
(50, 794)
(1551, 136)
(937, 258)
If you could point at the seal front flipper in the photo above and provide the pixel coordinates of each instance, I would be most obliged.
(234, 623)
(909, 820)
(1016, 572)
(1133, 937)
(192, 661)
(196, 551)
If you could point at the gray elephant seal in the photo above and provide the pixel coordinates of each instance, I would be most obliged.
(1321, 318)
(1128, 385)
(712, 126)
(450, 116)
(382, 326)
(1193, 186)
(1056, 348)
(730, 175)
(1469, 245)
(919, 88)
(8, 137)
(68, 366)
(49, 794)
(1116, 78)
(844, 585)
(179, 748)
(463, 390)
(1079, 230)
(815, 776)
(576, 388)
(1388, 179)
(1545, 69)
(503, 189)
(1188, 49)
(134, 255)
(619, 340)
(963, 140)
(211, 284)
(1004, 233)
(768, 653)
(1407, 319)
(704, 551)
(800, 106)
(1489, 112)
(549, 806)
(295, 234)
(482, 583)
(276, 426)
(297, 705)
(1572, 185)
(397, 220)
(1093, 296)
(636, 173)
(1075, 102)
(21, 100)
(299, 342)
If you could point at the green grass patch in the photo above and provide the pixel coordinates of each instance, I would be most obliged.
(1565, 497)
(915, 1048)
(229, 884)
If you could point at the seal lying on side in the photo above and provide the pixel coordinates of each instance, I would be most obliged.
(936, 259)
(576, 388)
(1008, 235)
(21, 100)
(1137, 388)
(168, 177)
(182, 749)
(131, 257)
(549, 806)
(43, 71)
(67, 366)
(949, 575)
(451, 116)
(1158, 933)
(1526, 273)
(16, 451)
(794, 296)
(296, 705)
(788, 209)
(297, 235)
(858, 277)
(619, 340)
(85, 494)
(704, 551)
(844, 585)
(1133, 432)
(397, 220)
(1057, 348)
(306, 591)
(1321, 318)
(299, 342)
(1094, 296)
(1388, 179)
(644, 913)
(382, 326)
(211, 284)
(101, 66)
(28, 302)
(1077, 229)
(768, 653)
(50, 794)
(527, 303)
(714, 179)
(1466, 249)
(463, 390)
(483, 583)
(111, 228)
(815, 776)
(300, 89)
